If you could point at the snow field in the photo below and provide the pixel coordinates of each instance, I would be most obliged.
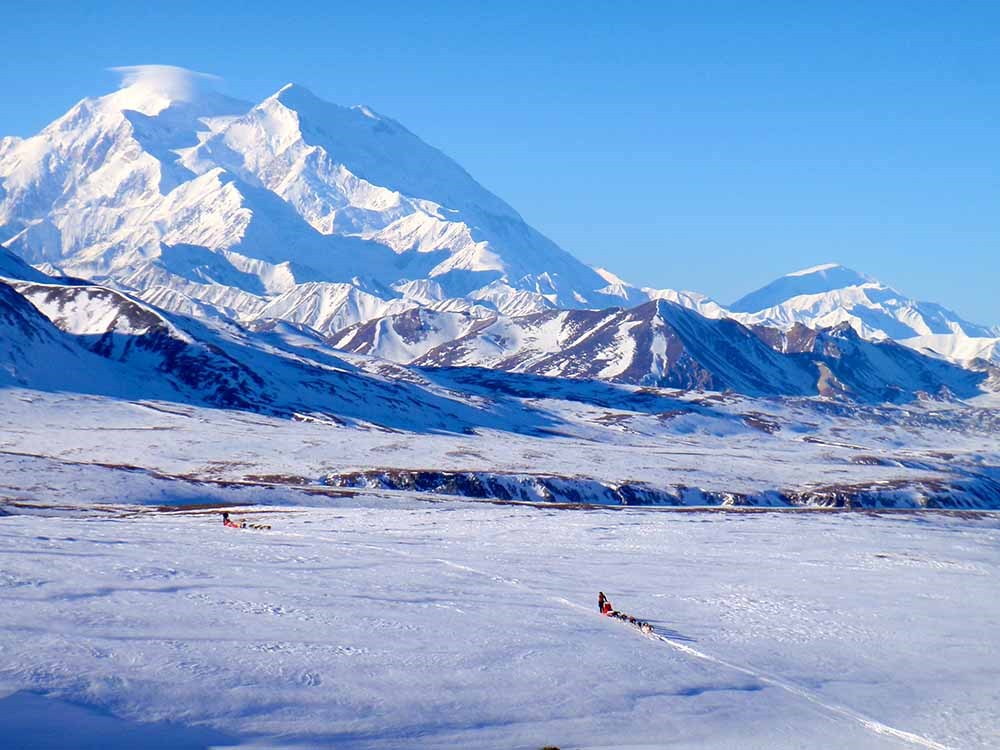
(474, 626)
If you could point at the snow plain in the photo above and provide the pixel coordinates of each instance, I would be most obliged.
(374, 619)
(387, 622)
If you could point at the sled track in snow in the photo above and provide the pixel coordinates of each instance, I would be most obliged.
(870, 724)
(834, 709)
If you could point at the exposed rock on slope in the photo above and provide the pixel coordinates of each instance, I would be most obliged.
(979, 491)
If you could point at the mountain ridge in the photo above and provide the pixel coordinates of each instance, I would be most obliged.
(664, 344)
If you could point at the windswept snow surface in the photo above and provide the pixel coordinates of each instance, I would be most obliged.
(392, 623)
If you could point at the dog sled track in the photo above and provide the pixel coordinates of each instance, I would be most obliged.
(873, 726)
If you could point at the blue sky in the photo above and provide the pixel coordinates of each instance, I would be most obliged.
(708, 146)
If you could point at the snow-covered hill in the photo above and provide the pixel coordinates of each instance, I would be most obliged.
(93, 339)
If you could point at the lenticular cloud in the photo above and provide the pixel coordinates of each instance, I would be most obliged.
(177, 83)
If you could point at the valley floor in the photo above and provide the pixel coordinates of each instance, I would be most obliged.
(390, 623)
(82, 449)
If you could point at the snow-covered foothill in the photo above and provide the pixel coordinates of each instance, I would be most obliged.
(592, 442)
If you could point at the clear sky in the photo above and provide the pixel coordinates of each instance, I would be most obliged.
(697, 145)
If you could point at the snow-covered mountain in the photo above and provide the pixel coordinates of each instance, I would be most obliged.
(340, 219)
(67, 334)
(661, 343)
(829, 295)
(256, 210)
(822, 279)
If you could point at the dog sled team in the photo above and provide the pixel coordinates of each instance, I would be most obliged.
(603, 603)
(243, 524)
(605, 608)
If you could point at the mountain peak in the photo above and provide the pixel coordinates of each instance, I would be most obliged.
(835, 273)
(813, 280)
(822, 268)
(292, 91)
(297, 97)
(152, 88)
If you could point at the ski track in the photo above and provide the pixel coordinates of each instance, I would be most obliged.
(872, 725)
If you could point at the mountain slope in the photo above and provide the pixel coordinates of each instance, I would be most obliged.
(12, 267)
(34, 353)
(350, 171)
(872, 371)
(661, 343)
